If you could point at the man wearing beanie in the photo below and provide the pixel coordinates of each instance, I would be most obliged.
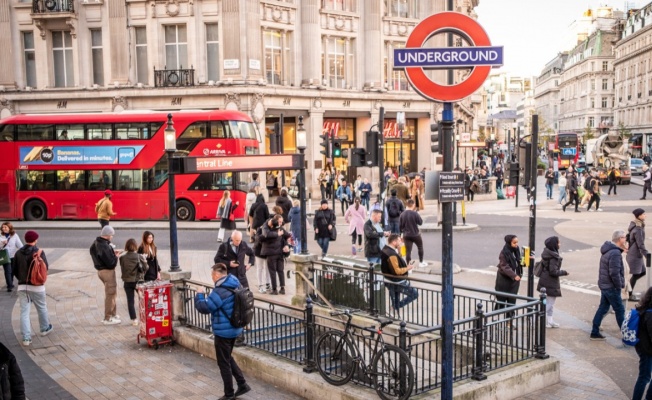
(29, 293)
(105, 259)
(637, 251)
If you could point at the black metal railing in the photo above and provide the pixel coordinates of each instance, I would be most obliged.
(53, 6)
(483, 340)
(174, 77)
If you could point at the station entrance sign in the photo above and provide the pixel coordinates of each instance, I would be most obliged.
(482, 56)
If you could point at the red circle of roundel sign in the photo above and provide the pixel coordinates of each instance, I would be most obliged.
(481, 57)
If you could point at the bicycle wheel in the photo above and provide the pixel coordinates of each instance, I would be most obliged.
(394, 374)
(335, 358)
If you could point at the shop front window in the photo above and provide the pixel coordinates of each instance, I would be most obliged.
(401, 149)
(342, 129)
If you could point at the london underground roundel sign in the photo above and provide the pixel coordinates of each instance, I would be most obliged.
(481, 57)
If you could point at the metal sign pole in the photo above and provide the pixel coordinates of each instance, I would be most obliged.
(533, 202)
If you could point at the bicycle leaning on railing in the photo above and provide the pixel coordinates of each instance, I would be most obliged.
(338, 357)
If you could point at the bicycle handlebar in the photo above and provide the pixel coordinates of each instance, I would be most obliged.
(345, 312)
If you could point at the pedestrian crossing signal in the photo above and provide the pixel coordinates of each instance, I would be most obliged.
(337, 148)
(435, 135)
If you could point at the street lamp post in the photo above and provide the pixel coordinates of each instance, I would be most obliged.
(301, 146)
(170, 149)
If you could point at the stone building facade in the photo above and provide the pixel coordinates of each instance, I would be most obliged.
(633, 69)
(329, 61)
(546, 93)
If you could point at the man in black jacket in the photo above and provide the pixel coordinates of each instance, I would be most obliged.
(274, 245)
(105, 259)
(611, 281)
(374, 237)
(409, 224)
(232, 253)
(29, 292)
(571, 189)
(12, 385)
(394, 210)
(285, 203)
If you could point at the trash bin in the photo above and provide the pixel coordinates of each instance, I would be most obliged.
(155, 309)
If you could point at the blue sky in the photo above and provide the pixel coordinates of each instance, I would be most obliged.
(534, 31)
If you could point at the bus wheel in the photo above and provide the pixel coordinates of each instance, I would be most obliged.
(185, 211)
(35, 211)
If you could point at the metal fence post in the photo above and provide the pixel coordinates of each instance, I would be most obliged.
(402, 337)
(478, 356)
(371, 279)
(540, 346)
(310, 338)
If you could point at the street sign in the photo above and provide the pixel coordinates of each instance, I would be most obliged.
(481, 57)
(241, 163)
(451, 187)
(569, 151)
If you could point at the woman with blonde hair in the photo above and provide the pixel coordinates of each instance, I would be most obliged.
(225, 214)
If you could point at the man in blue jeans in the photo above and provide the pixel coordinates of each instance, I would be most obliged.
(611, 281)
(396, 270)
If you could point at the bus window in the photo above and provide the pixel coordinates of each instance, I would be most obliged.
(98, 131)
(130, 180)
(35, 132)
(155, 177)
(213, 181)
(217, 130)
(243, 130)
(240, 181)
(100, 180)
(67, 180)
(7, 133)
(190, 137)
(70, 132)
(132, 131)
(37, 180)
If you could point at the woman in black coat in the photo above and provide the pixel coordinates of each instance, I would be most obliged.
(637, 251)
(259, 213)
(510, 270)
(549, 278)
(148, 249)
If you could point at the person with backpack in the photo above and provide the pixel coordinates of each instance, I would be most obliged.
(221, 304)
(105, 259)
(104, 209)
(611, 281)
(29, 291)
(549, 278)
(612, 179)
(594, 190)
(344, 195)
(644, 345)
(571, 191)
(394, 210)
(637, 252)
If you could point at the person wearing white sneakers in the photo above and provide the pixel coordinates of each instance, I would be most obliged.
(549, 278)
(105, 259)
(28, 292)
(409, 223)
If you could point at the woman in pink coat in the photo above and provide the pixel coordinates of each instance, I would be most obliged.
(355, 216)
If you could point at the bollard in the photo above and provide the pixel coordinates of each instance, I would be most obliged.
(310, 338)
(371, 294)
(478, 332)
(540, 333)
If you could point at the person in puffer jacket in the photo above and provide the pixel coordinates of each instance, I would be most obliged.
(12, 385)
(220, 304)
(611, 282)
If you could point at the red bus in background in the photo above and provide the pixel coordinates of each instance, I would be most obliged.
(567, 148)
(58, 166)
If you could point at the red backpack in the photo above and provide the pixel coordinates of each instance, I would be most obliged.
(37, 273)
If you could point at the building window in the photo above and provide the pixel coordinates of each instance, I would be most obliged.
(176, 47)
(592, 84)
(605, 65)
(273, 56)
(62, 55)
(604, 102)
(394, 80)
(212, 52)
(591, 122)
(98, 58)
(29, 57)
(592, 102)
(605, 84)
(142, 70)
(402, 8)
(339, 5)
(335, 63)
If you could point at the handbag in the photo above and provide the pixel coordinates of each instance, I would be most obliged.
(4, 257)
(333, 233)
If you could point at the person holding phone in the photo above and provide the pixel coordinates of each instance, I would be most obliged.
(237, 256)
(374, 237)
(105, 259)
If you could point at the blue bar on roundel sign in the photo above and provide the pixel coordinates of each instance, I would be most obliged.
(448, 57)
(569, 151)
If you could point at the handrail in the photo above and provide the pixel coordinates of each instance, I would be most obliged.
(438, 283)
(317, 292)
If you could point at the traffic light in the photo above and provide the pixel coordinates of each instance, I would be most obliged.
(337, 148)
(372, 148)
(326, 144)
(358, 157)
(524, 162)
(435, 135)
(513, 174)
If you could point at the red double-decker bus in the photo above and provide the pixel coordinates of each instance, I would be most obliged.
(58, 166)
(567, 148)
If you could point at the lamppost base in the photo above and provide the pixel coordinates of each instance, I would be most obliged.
(175, 268)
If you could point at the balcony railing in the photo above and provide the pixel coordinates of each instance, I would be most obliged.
(53, 6)
(174, 77)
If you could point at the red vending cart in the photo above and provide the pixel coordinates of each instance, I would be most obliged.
(155, 300)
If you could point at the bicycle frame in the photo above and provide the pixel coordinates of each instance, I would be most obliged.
(358, 359)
